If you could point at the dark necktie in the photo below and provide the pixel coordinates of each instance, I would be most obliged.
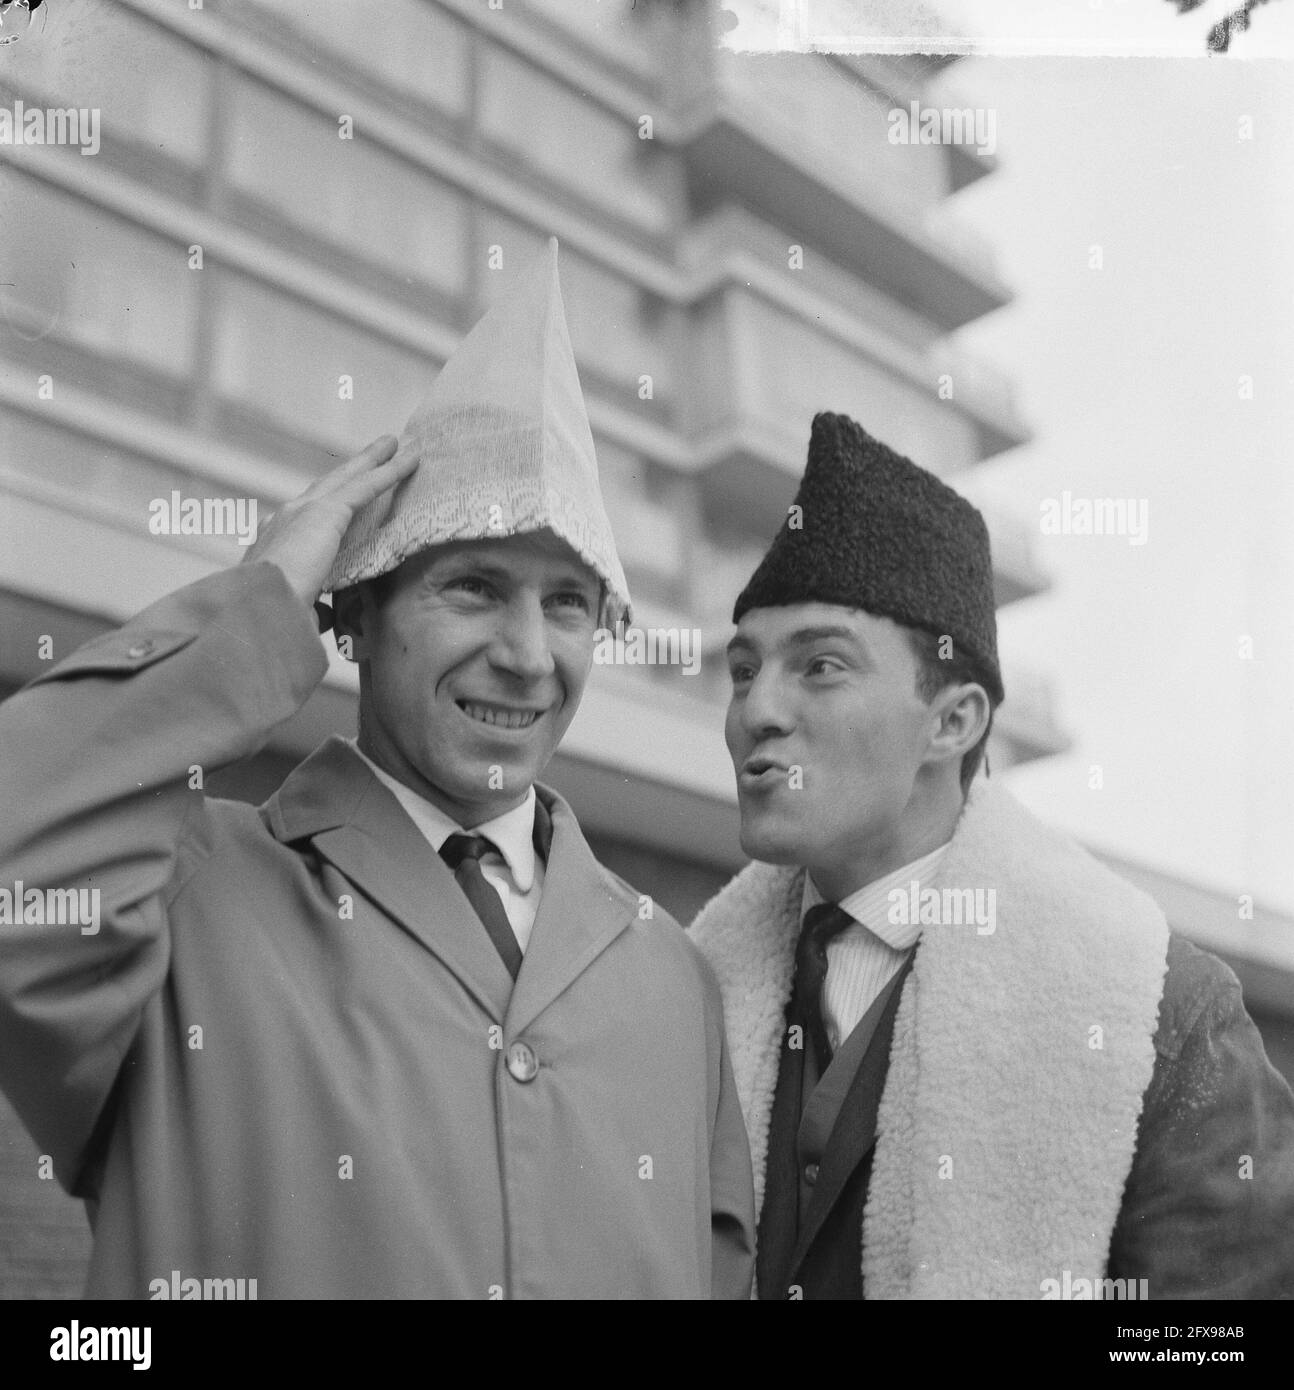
(821, 923)
(463, 854)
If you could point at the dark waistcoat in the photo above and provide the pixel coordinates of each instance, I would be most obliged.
(821, 1140)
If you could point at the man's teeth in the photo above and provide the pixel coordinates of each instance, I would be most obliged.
(508, 719)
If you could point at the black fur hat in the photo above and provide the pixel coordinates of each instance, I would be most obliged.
(874, 531)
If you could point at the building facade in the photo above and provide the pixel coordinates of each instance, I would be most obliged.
(295, 211)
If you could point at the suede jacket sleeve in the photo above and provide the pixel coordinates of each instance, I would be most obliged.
(1208, 1211)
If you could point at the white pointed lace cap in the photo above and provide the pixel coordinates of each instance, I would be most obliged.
(504, 448)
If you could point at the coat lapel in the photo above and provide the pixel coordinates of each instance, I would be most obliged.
(854, 1131)
(779, 1207)
(581, 913)
(748, 931)
(354, 822)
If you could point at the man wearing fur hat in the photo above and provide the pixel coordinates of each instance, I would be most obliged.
(395, 1033)
(973, 1062)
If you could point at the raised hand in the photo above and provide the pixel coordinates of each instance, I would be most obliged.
(302, 538)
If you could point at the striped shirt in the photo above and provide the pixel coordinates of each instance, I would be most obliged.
(864, 958)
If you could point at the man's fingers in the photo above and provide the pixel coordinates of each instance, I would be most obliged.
(375, 454)
(362, 489)
(302, 537)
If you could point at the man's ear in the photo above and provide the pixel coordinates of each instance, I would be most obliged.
(352, 612)
(961, 714)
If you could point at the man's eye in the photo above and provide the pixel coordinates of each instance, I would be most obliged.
(741, 675)
(821, 666)
(577, 602)
(469, 584)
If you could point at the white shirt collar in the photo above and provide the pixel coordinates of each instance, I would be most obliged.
(870, 905)
(513, 831)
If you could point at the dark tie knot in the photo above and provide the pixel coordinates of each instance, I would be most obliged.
(822, 923)
(459, 847)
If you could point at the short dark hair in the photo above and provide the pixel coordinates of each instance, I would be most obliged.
(383, 585)
(936, 672)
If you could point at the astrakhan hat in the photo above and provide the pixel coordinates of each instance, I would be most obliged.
(872, 530)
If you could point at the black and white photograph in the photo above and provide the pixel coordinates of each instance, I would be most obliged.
(645, 654)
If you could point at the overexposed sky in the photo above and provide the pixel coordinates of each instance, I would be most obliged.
(1110, 27)
(1120, 26)
(1173, 660)
(1130, 376)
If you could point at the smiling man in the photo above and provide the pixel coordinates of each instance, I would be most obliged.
(1026, 1085)
(395, 1033)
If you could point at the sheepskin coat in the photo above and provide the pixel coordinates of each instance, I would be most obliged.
(1009, 1162)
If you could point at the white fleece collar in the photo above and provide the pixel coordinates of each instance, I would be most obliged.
(1008, 1121)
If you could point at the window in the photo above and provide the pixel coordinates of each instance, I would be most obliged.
(149, 86)
(806, 103)
(797, 371)
(290, 158)
(723, 568)
(617, 331)
(312, 375)
(557, 132)
(90, 468)
(502, 249)
(649, 536)
(614, 329)
(94, 279)
(405, 44)
(624, 30)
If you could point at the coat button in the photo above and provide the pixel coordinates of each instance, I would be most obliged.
(522, 1062)
(139, 650)
(810, 1173)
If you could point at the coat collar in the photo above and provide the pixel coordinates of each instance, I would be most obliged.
(512, 834)
(1061, 1001)
(334, 800)
(582, 910)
